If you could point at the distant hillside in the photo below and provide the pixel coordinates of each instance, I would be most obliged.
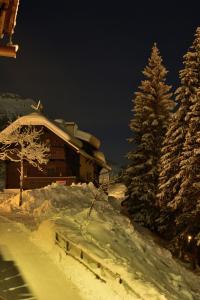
(12, 106)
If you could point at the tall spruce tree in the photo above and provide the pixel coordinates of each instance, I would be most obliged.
(186, 203)
(180, 162)
(152, 109)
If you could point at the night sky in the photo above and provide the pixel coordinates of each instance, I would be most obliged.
(84, 61)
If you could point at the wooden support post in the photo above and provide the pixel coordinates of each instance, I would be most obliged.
(57, 237)
(67, 246)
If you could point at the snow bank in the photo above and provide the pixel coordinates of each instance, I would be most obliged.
(109, 237)
(117, 191)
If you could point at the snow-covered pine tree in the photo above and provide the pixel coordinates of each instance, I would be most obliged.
(186, 204)
(152, 109)
(180, 147)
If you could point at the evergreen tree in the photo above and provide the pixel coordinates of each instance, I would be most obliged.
(152, 109)
(180, 169)
(186, 204)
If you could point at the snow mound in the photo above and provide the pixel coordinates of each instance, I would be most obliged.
(117, 191)
(54, 198)
(109, 237)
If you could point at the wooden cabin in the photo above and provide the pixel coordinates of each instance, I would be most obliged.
(74, 155)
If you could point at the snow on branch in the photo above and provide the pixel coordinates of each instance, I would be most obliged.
(21, 144)
(24, 143)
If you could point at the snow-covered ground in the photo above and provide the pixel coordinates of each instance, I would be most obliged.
(149, 271)
(42, 276)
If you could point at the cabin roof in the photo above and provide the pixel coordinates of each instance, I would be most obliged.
(72, 128)
(67, 131)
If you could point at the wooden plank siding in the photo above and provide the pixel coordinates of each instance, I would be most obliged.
(86, 169)
(65, 165)
(12, 175)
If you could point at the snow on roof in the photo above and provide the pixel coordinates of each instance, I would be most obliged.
(39, 119)
(99, 155)
(72, 127)
(36, 118)
(85, 136)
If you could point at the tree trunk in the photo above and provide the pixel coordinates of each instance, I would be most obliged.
(21, 181)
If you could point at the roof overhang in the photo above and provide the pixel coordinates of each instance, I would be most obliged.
(36, 119)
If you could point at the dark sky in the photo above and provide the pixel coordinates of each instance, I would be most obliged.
(84, 60)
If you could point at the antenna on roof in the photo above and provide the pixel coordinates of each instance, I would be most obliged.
(38, 107)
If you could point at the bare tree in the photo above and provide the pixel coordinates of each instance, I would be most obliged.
(24, 144)
(102, 187)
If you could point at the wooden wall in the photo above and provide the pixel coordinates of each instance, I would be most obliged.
(86, 169)
(12, 175)
(65, 165)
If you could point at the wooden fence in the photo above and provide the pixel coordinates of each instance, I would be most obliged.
(100, 271)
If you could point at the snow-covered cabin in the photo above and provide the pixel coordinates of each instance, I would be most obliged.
(74, 157)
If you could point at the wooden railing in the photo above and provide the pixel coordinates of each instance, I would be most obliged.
(94, 265)
(38, 182)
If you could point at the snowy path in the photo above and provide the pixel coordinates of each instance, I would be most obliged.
(43, 277)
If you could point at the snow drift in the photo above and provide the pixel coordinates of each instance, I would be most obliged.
(109, 237)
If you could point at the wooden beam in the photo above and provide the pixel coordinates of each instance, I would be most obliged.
(10, 17)
(9, 51)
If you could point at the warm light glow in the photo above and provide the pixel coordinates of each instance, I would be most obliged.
(189, 238)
